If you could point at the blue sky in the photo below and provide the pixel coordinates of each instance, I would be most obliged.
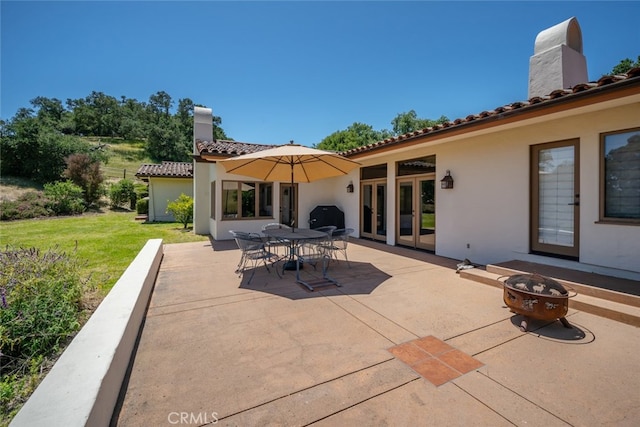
(277, 71)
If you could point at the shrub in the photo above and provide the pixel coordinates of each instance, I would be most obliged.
(142, 190)
(142, 206)
(32, 204)
(121, 193)
(181, 209)
(40, 308)
(65, 198)
(84, 171)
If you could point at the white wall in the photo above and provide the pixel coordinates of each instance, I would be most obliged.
(165, 190)
(489, 206)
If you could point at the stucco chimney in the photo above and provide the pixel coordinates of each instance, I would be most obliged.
(202, 126)
(557, 61)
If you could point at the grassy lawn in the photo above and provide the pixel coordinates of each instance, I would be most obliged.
(106, 242)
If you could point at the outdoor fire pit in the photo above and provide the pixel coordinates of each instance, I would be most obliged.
(536, 296)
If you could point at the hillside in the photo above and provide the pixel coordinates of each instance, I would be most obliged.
(124, 159)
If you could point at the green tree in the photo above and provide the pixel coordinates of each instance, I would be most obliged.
(356, 135)
(133, 119)
(167, 142)
(181, 209)
(97, 114)
(409, 122)
(625, 65)
(159, 105)
(30, 147)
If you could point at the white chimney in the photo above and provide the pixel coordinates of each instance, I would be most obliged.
(202, 126)
(557, 61)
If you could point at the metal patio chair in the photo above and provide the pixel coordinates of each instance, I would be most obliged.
(280, 247)
(253, 251)
(339, 243)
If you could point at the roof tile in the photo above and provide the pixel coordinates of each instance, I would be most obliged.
(230, 148)
(166, 169)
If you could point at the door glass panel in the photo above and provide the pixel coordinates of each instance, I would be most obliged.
(287, 204)
(405, 209)
(381, 210)
(427, 214)
(367, 208)
(556, 196)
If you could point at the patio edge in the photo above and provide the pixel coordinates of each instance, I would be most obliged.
(83, 386)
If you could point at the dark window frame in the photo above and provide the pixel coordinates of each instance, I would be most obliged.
(259, 188)
(604, 217)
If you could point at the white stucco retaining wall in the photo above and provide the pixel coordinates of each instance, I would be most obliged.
(83, 386)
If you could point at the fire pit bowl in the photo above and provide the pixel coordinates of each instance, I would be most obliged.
(536, 296)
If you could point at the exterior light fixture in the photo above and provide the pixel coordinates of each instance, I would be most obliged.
(447, 181)
(350, 187)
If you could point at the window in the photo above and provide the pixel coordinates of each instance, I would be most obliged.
(213, 200)
(374, 172)
(417, 166)
(247, 200)
(620, 176)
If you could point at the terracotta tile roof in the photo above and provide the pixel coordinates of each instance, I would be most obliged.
(604, 83)
(166, 170)
(228, 148)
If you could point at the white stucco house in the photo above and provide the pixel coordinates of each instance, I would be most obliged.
(553, 179)
(166, 181)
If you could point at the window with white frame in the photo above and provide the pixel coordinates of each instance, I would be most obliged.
(242, 200)
(620, 176)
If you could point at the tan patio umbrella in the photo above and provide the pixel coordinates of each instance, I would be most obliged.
(290, 163)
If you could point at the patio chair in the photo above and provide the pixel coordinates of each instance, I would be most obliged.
(339, 243)
(280, 247)
(325, 244)
(312, 252)
(253, 250)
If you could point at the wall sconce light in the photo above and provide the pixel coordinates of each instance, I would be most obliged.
(447, 181)
(350, 187)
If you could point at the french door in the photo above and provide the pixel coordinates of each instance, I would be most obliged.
(289, 204)
(555, 198)
(374, 210)
(416, 212)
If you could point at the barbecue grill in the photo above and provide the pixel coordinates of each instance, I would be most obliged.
(536, 296)
(324, 215)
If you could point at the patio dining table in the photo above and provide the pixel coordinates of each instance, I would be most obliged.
(294, 238)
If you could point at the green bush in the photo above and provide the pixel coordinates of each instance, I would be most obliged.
(40, 308)
(123, 193)
(41, 293)
(142, 206)
(142, 190)
(65, 198)
(182, 209)
(32, 204)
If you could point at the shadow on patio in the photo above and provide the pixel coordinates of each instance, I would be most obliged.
(362, 278)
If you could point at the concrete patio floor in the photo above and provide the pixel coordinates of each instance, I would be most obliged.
(216, 350)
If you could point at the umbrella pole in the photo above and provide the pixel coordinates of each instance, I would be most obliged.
(291, 199)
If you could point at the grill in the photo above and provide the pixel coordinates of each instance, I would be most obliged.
(536, 296)
(322, 216)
